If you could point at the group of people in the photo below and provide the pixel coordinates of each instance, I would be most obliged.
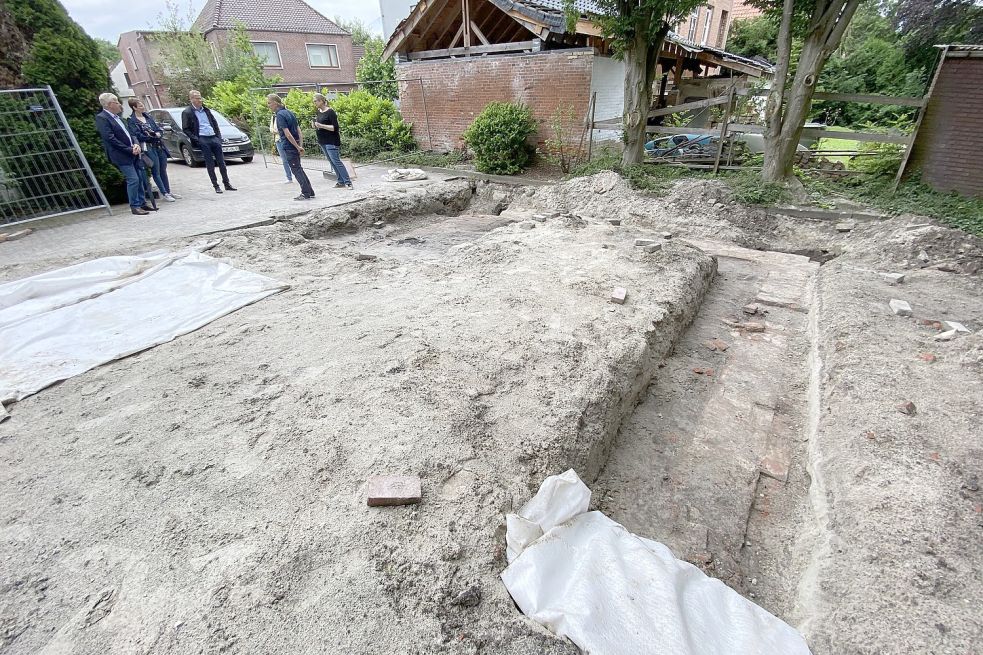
(136, 146)
(290, 145)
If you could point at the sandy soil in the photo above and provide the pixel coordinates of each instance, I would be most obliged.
(208, 495)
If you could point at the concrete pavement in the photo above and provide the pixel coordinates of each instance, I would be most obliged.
(261, 195)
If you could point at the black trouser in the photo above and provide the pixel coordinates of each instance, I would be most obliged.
(292, 157)
(211, 147)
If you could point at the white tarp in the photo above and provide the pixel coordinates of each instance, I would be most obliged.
(62, 323)
(586, 578)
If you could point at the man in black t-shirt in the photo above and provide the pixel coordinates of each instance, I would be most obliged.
(329, 138)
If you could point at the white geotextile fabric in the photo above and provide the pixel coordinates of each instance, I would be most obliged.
(62, 323)
(586, 578)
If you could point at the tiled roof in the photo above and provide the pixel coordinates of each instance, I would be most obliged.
(268, 16)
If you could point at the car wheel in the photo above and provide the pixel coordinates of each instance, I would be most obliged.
(188, 157)
(246, 160)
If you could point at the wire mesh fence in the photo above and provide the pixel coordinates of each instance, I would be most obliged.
(42, 169)
(372, 129)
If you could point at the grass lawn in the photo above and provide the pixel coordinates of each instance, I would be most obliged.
(827, 143)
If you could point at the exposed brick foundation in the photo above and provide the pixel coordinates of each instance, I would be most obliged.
(949, 148)
(458, 89)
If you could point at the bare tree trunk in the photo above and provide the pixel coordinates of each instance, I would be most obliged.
(641, 59)
(776, 98)
(784, 128)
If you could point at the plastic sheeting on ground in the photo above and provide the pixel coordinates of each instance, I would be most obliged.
(62, 323)
(404, 175)
(585, 577)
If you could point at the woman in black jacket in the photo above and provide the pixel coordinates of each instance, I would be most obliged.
(146, 130)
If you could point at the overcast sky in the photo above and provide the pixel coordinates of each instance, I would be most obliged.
(107, 19)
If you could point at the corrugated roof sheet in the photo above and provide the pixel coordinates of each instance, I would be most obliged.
(271, 16)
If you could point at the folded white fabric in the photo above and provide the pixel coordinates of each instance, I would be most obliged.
(586, 578)
(404, 175)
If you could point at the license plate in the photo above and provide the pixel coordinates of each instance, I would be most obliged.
(230, 149)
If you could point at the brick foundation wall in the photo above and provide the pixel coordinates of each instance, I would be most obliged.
(458, 89)
(949, 148)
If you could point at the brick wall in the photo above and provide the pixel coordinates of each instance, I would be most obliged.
(458, 89)
(295, 66)
(744, 11)
(137, 51)
(949, 148)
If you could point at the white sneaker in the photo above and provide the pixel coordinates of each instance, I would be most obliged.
(168, 197)
(174, 195)
(288, 181)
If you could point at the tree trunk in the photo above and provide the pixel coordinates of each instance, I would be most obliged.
(772, 170)
(784, 128)
(641, 60)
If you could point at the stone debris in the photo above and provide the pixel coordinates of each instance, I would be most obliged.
(614, 221)
(927, 357)
(644, 242)
(653, 247)
(907, 408)
(704, 371)
(900, 307)
(470, 597)
(667, 235)
(958, 327)
(746, 326)
(526, 225)
(365, 257)
(751, 309)
(946, 336)
(716, 345)
(893, 278)
(774, 467)
(387, 490)
(846, 227)
(13, 236)
(619, 295)
(539, 218)
(923, 257)
(378, 224)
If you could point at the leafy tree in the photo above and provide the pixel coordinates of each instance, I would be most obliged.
(65, 57)
(108, 52)
(361, 34)
(638, 29)
(754, 37)
(822, 24)
(381, 73)
(924, 23)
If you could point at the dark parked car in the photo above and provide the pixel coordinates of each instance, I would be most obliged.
(235, 144)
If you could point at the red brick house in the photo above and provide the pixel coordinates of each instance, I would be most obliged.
(456, 56)
(298, 44)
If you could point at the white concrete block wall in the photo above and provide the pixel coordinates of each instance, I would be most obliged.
(608, 80)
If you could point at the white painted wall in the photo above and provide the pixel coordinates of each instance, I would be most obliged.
(123, 90)
(608, 80)
(394, 11)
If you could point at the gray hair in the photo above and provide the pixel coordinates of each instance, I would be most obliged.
(194, 92)
(320, 96)
(275, 98)
(106, 98)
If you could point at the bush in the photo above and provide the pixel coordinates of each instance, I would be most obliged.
(498, 138)
(362, 115)
(880, 159)
(63, 56)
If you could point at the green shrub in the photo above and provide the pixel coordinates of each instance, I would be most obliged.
(750, 189)
(498, 138)
(880, 159)
(63, 56)
(362, 115)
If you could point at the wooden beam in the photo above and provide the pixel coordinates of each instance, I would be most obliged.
(918, 121)
(460, 33)
(699, 104)
(481, 37)
(473, 50)
(447, 23)
(397, 40)
(866, 98)
(465, 23)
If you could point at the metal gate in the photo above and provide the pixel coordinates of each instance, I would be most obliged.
(42, 169)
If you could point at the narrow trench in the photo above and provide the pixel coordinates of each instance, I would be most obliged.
(711, 462)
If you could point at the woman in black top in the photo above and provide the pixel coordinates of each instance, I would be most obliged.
(329, 138)
(146, 130)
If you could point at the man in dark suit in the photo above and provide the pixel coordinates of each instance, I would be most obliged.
(122, 149)
(201, 127)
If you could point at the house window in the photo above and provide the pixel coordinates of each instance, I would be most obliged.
(133, 60)
(269, 52)
(722, 30)
(320, 55)
(706, 25)
(126, 77)
(694, 21)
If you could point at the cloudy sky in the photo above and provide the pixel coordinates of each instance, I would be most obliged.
(108, 18)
